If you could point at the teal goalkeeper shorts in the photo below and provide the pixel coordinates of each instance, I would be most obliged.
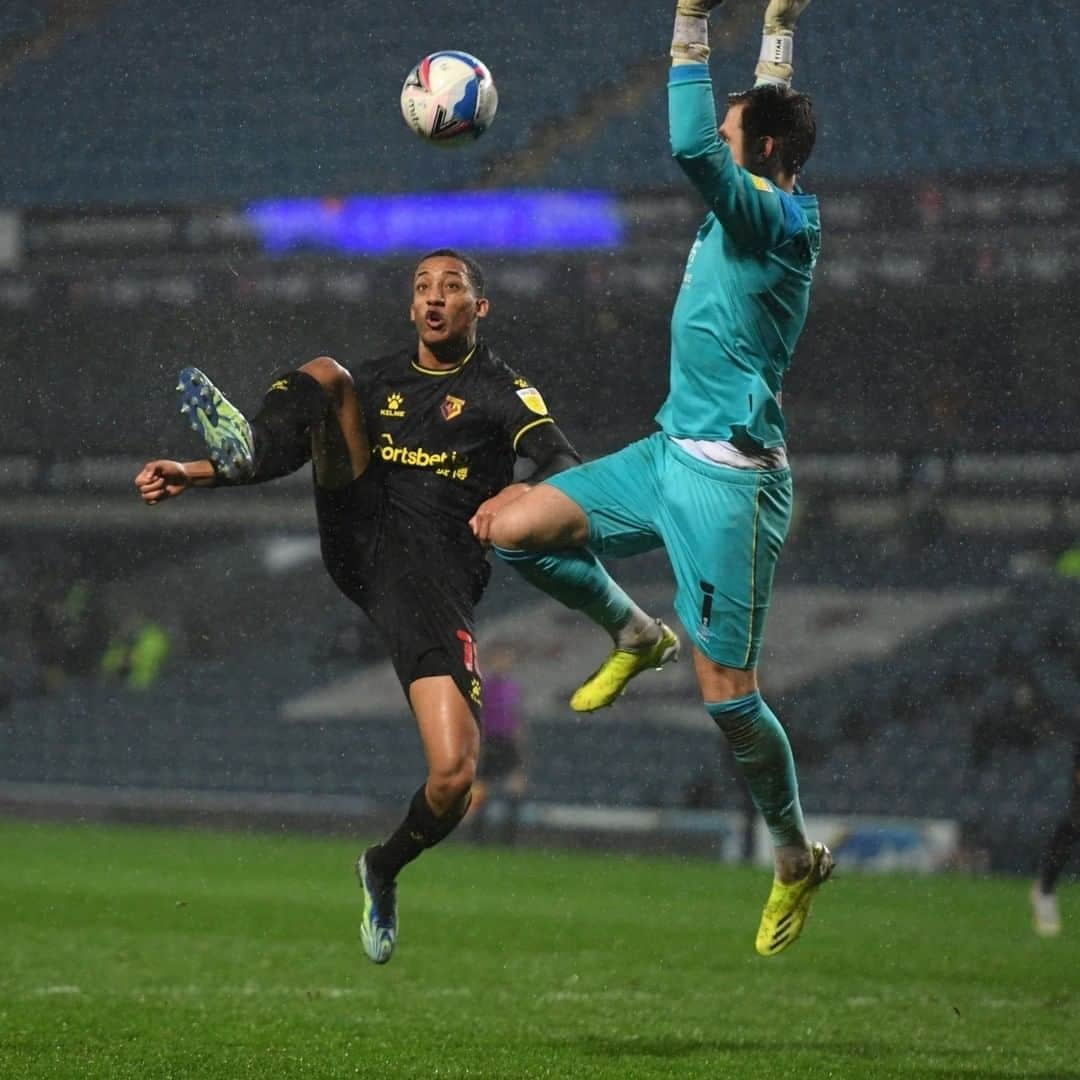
(723, 530)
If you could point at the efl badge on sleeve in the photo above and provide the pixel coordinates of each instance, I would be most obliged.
(533, 401)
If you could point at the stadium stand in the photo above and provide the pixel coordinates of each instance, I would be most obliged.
(307, 104)
(956, 704)
(908, 401)
(947, 389)
(975, 720)
(955, 116)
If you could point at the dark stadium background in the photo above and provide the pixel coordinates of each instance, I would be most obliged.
(923, 652)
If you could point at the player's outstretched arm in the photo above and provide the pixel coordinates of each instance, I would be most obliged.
(161, 480)
(746, 203)
(777, 40)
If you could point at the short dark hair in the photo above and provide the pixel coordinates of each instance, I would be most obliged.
(472, 267)
(785, 115)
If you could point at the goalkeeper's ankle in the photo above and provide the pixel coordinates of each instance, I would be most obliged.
(640, 632)
(792, 862)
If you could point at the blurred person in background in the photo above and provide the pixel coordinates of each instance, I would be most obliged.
(713, 486)
(1060, 652)
(405, 450)
(136, 653)
(67, 627)
(502, 761)
(1044, 905)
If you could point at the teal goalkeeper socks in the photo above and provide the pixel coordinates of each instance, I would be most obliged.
(576, 578)
(762, 750)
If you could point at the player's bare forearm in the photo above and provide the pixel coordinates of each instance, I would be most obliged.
(163, 479)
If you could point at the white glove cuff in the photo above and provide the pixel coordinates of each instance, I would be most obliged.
(777, 48)
(690, 41)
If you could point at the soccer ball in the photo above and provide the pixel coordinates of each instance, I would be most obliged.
(449, 98)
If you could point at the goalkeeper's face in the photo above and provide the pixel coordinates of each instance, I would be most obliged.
(445, 307)
(731, 132)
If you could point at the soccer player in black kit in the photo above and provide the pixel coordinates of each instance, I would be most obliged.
(406, 452)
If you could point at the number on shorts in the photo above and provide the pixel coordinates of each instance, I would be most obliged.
(468, 648)
(707, 590)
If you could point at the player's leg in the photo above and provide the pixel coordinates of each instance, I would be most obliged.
(543, 535)
(724, 529)
(1066, 836)
(426, 624)
(762, 749)
(451, 740)
(340, 450)
(309, 413)
(763, 752)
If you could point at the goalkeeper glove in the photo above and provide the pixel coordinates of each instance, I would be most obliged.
(698, 9)
(690, 41)
(774, 65)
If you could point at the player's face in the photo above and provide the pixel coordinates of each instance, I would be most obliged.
(731, 132)
(445, 306)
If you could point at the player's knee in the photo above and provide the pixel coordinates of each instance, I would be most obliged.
(542, 520)
(449, 785)
(512, 529)
(503, 534)
(329, 374)
(721, 683)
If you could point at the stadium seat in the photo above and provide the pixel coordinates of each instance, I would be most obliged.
(226, 103)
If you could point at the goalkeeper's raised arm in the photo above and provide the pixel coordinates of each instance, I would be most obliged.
(766, 136)
(774, 67)
(690, 41)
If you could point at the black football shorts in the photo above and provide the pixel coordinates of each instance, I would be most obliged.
(418, 588)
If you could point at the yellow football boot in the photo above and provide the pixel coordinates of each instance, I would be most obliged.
(788, 905)
(609, 680)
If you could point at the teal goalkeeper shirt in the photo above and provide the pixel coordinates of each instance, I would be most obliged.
(746, 288)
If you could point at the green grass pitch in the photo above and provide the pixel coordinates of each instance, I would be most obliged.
(145, 953)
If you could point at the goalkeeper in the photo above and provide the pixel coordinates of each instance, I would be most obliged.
(713, 485)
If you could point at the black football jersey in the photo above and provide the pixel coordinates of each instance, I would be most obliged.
(444, 441)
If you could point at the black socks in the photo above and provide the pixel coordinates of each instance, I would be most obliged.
(420, 830)
(282, 427)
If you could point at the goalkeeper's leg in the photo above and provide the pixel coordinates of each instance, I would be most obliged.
(761, 748)
(542, 536)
